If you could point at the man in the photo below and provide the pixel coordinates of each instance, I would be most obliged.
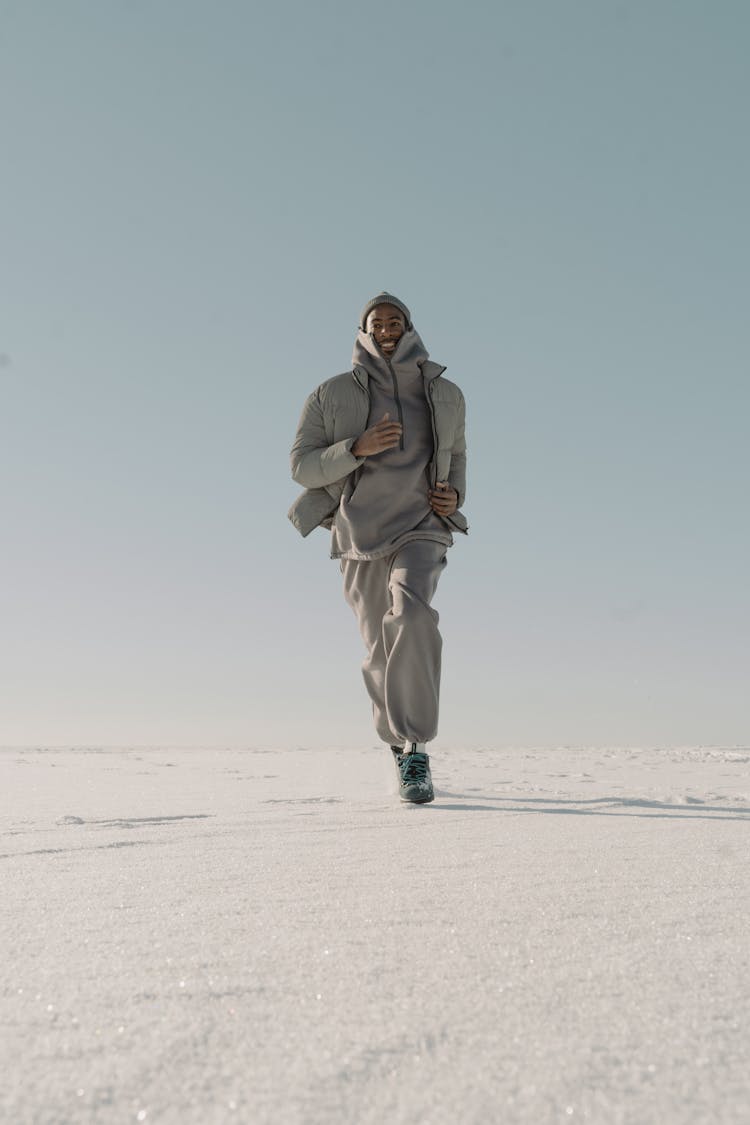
(381, 453)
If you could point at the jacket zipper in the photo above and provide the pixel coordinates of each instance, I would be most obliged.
(398, 403)
(434, 457)
(366, 389)
(434, 434)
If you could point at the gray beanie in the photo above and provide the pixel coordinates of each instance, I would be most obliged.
(384, 299)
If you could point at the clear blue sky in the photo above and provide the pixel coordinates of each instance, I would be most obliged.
(197, 200)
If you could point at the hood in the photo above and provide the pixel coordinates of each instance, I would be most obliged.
(409, 355)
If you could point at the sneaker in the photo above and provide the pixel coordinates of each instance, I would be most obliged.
(415, 781)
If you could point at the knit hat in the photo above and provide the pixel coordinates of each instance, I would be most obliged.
(383, 299)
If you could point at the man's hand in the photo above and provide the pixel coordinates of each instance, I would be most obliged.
(443, 498)
(383, 435)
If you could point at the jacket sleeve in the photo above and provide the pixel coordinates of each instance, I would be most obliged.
(457, 474)
(315, 463)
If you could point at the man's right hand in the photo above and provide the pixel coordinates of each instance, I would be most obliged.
(383, 435)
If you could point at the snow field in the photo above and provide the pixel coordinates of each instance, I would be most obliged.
(270, 936)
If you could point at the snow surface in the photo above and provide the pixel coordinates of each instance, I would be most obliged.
(270, 936)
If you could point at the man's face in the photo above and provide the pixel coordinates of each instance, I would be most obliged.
(387, 324)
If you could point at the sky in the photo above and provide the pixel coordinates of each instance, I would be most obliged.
(198, 198)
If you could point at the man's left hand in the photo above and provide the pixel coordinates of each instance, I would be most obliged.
(443, 498)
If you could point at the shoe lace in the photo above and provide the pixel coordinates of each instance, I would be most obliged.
(414, 767)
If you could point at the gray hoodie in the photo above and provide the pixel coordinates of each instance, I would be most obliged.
(385, 502)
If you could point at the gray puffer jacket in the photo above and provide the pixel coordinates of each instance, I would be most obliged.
(335, 415)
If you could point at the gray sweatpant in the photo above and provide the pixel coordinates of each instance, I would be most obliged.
(391, 599)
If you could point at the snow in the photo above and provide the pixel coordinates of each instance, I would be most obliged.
(260, 935)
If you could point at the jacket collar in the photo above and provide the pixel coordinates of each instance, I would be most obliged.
(430, 371)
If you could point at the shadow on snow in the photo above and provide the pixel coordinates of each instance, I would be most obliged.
(693, 809)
